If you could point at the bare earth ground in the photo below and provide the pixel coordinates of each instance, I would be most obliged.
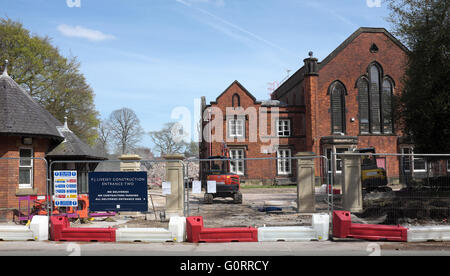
(223, 213)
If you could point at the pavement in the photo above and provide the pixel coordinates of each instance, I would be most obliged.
(326, 248)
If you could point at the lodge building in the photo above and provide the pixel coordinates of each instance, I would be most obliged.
(343, 102)
(30, 139)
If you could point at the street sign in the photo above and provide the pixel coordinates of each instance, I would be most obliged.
(65, 185)
(118, 191)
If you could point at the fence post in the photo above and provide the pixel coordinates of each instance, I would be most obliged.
(352, 186)
(174, 175)
(306, 182)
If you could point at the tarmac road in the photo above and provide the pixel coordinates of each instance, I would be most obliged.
(327, 248)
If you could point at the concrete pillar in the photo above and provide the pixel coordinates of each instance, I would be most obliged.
(352, 187)
(131, 163)
(306, 182)
(174, 175)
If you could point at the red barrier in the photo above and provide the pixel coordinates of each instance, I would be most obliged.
(61, 231)
(197, 233)
(344, 228)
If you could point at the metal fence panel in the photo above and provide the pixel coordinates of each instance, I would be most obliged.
(405, 189)
(268, 187)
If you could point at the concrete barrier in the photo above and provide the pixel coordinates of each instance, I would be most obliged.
(317, 232)
(38, 230)
(176, 233)
(429, 233)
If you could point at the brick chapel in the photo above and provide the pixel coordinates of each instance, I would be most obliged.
(342, 102)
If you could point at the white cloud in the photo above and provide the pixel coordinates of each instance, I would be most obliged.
(217, 3)
(82, 32)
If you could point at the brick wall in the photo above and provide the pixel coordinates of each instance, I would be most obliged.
(9, 173)
(257, 170)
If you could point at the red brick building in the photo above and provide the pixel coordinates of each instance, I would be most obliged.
(28, 133)
(341, 102)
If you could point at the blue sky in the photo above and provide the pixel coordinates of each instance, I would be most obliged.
(155, 55)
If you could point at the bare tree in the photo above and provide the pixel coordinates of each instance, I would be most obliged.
(104, 134)
(167, 140)
(126, 130)
(145, 154)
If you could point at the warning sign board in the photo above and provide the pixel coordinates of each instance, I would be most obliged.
(65, 186)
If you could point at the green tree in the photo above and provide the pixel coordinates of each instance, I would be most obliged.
(424, 26)
(51, 79)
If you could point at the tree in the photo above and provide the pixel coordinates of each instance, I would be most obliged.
(145, 154)
(126, 130)
(424, 105)
(104, 134)
(192, 150)
(167, 140)
(52, 80)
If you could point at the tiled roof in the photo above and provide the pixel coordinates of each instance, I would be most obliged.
(73, 147)
(21, 115)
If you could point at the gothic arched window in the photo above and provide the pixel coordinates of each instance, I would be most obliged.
(236, 101)
(375, 101)
(337, 93)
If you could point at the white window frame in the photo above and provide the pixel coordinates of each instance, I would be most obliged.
(284, 166)
(337, 158)
(412, 160)
(448, 165)
(236, 128)
(237, 167)
(285, 124)
(28, 167)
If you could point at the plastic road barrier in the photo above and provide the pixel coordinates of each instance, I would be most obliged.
(36, 231)
(344, 228)
(61, 231)
(176, 233)
(196, 233)
(317, 232)
(429, 233)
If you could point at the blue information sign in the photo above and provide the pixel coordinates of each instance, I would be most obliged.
(118, 191)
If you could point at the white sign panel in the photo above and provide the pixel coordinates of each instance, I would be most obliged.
(65, 188)
(166, 188)
(196, 187)
(212, 187)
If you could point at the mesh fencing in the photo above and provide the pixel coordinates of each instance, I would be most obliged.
(252, 191)
(405, 189)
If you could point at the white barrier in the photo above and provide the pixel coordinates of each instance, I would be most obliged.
(176, 233)
(38, 230)
(16, 233)
(429, 233)
(39, 227)
(318, 231)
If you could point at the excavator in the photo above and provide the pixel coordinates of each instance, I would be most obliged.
(373, 178)
(227, 184)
